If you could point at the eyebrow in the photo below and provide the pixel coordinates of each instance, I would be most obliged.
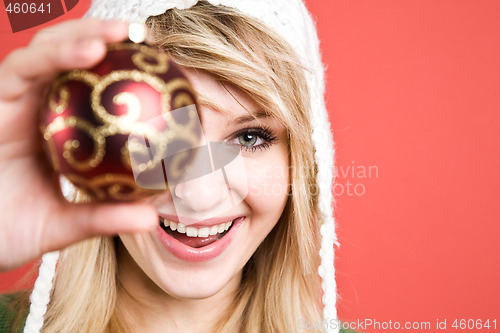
(259, 114)
(247, 118)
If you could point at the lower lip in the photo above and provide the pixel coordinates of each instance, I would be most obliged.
(205, 253)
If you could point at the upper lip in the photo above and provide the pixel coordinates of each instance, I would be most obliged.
(199, 223)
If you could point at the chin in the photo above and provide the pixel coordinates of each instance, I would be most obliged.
(199, 284)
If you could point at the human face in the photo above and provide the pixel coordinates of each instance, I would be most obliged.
(185, 272)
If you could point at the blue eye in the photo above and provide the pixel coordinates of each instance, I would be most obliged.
(251, 139)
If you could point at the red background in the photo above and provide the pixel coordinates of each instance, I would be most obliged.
(413, 94)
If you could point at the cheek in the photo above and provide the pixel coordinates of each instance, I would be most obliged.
(268, 183)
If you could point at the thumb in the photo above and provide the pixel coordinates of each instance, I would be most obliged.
(76, 222)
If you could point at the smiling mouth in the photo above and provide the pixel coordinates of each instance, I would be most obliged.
(193, 236)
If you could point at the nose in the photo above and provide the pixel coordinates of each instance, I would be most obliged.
(204, 188)
(207, 193)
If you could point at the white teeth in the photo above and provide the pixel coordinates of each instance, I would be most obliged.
(213, 230)
(173, 225)
(203, 232)
(196, 232)
(191, 232)
(181, 228)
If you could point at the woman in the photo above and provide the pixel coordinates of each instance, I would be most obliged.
(257, 69)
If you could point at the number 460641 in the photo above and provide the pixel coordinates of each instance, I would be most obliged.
(471, 324)
(26, 8)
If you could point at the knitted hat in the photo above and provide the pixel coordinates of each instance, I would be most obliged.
(292, 21)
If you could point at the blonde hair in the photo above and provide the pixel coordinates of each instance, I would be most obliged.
(280, 284)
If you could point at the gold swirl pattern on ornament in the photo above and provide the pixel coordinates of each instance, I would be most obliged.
(84, 76)
(99, 141)
(175, 132)
(137, 148)
(62, 105)
(161, 66)
(160, 142)
(109, 186)
(127, 46)
(125, 156)
(180, 99)
(139, 58)
(174, 168)
(58, 89)
(53, 153)
(127, 124)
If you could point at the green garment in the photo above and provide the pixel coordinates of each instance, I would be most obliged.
(8, 315)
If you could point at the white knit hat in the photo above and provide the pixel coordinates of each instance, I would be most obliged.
(293, 22)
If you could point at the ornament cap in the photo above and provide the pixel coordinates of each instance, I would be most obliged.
(137, 32)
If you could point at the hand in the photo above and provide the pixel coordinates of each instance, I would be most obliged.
(34, 217)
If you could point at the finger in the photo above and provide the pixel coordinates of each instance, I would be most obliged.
(81, 221)
(111, 31)
(26, 65)
(42, 61)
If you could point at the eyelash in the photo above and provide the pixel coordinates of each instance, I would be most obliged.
(264, 133)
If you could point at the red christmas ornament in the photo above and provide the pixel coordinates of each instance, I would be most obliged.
(124, 129)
